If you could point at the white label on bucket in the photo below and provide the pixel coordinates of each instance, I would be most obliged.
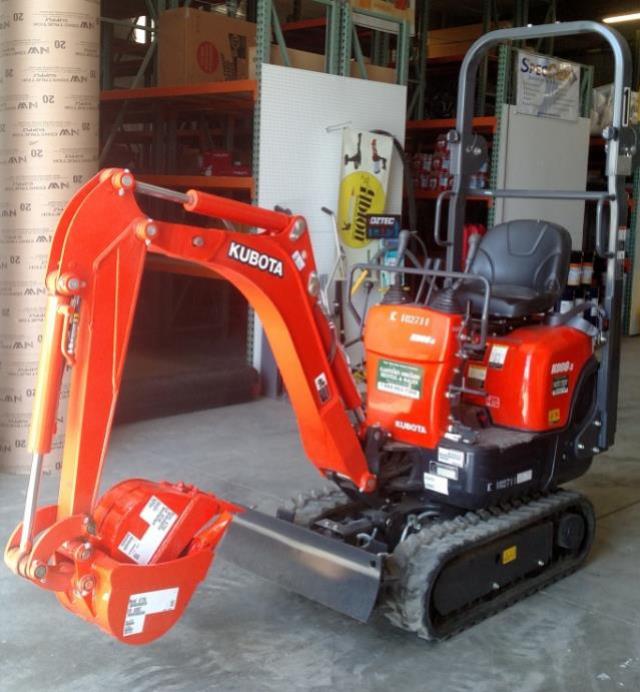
(142, 604)
(160, 519)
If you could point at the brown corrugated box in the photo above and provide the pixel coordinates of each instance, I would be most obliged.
(398, 9)
(456, 40)
(305, 60)
(196, 46)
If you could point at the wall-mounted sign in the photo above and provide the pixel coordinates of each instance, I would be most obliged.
(547, 87)
(366, 160)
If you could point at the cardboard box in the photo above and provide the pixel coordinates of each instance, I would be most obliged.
(456, 40)
(304, 60)
(301, 59)
(196, 46)
(394, 9)
(375, 72)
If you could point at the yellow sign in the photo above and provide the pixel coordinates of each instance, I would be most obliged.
(554, 415)
(360, 194)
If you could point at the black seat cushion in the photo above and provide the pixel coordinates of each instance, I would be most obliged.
(527, 264)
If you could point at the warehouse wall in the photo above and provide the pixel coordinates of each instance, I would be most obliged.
(49, 89)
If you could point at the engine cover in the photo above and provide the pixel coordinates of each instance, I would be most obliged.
(411, 354)
(529, 376)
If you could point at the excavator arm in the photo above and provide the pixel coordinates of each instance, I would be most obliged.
(141, 549)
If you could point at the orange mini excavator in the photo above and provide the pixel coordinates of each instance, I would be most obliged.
(481, 399)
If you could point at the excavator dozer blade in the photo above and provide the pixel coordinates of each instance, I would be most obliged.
(335, 574)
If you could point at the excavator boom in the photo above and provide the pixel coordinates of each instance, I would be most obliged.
(151, 543)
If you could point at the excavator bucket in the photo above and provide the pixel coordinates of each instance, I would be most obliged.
(337, 575)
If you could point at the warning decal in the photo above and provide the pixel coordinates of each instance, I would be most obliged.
(399, 378)
(160, 519)
(437, 484)
(560, 385)
(451, 456)
(476, 375)
(142, 604)
(498, 355)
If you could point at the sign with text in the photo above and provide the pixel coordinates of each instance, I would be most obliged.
(547, 87)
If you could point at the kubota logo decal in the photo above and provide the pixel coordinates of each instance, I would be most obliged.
(247, 255)
(411, 427)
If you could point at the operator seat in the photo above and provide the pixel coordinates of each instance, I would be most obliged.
(527, 264)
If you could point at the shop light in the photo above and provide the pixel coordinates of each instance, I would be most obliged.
(617, 19)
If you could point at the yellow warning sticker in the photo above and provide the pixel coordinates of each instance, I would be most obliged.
(509, 554)
(554, 415)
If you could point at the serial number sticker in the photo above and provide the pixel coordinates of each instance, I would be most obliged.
(498, 355)
(524, 476)
(476, 374)
(455, 457)
(148, 603)
(446, 471)
(559, 385)
(322, 387)
(399, 378)
(160, 519)
(437, 484)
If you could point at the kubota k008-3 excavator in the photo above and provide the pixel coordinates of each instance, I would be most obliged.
(481, 400)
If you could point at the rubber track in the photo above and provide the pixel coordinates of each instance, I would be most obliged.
(417, 561)
(309, 506)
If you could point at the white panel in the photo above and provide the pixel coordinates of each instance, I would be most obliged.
(543, 154)
(300, 160)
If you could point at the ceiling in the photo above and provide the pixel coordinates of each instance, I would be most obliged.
(443, 12)
(469, 11)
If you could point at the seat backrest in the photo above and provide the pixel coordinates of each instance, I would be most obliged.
(526, 253)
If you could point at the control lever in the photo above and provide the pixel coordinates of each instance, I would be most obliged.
(340, 263)
(403, 244)
(474, 245)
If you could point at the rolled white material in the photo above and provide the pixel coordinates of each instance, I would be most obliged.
(49, 98)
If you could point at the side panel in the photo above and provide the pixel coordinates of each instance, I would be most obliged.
(530, 376)
(410, 361)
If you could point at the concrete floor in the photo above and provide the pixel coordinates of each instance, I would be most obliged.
(243, 634)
